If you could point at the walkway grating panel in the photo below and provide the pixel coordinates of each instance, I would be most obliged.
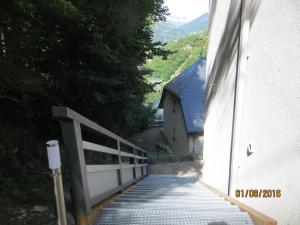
(171, 200)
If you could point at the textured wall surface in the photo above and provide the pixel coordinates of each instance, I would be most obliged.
(221, 70)
(267, 107)
(183, 143)
(174, 120)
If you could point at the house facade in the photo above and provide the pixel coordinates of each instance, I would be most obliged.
(183, 104)
(252, 125)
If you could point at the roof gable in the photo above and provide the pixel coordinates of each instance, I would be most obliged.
(189, 87)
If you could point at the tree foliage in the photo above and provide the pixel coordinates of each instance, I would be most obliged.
(84, 54)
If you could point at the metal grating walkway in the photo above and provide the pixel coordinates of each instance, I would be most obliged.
(171, 200)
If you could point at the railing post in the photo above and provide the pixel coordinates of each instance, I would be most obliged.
(120, 166)
(134, 161)
(142, 168)
(71, 132)
(147, 169)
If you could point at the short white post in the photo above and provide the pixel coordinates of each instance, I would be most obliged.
(54, 165)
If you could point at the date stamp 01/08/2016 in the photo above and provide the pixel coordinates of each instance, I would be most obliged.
(258, 193)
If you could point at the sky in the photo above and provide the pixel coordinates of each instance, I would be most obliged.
(186, 10)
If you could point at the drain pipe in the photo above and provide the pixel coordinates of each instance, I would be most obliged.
(237, 73)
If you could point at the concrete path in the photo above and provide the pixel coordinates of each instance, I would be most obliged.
(171, 200)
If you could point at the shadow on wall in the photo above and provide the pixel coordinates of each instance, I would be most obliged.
(226, 53)
(148, 138)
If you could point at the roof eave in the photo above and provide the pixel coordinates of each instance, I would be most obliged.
(161, 102)
(196, 132)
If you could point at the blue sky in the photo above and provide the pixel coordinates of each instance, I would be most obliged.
(186, 10)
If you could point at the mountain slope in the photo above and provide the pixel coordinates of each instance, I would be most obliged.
(167, 31)
(187, 50)
(195, 25)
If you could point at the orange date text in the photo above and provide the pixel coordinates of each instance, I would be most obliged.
(258, 193)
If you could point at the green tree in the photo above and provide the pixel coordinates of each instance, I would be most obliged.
(87, 55)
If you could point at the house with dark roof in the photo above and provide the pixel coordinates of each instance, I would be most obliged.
(183, 100)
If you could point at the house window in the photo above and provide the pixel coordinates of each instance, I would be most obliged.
(173, 134)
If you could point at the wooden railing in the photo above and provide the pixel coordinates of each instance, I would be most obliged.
(94, 183)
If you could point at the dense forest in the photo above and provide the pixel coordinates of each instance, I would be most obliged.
(87, 55)
(185, 52)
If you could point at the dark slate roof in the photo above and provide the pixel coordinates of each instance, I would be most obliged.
(189, 87)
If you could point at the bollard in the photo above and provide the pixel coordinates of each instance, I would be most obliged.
(54, 165)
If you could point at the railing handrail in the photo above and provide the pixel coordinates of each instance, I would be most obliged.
(62, 112)
(87, 180)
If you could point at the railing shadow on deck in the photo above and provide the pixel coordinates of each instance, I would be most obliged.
(94, 183)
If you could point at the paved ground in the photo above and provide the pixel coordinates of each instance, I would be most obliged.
(186, 169)
(171, 200)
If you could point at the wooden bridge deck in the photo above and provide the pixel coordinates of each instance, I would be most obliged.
(171, 200)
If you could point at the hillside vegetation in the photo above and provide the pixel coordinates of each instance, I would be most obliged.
(186, 51)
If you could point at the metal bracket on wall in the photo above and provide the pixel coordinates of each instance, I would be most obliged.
(249, 150)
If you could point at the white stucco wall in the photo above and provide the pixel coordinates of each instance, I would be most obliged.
(268, 104)
(221, 68)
